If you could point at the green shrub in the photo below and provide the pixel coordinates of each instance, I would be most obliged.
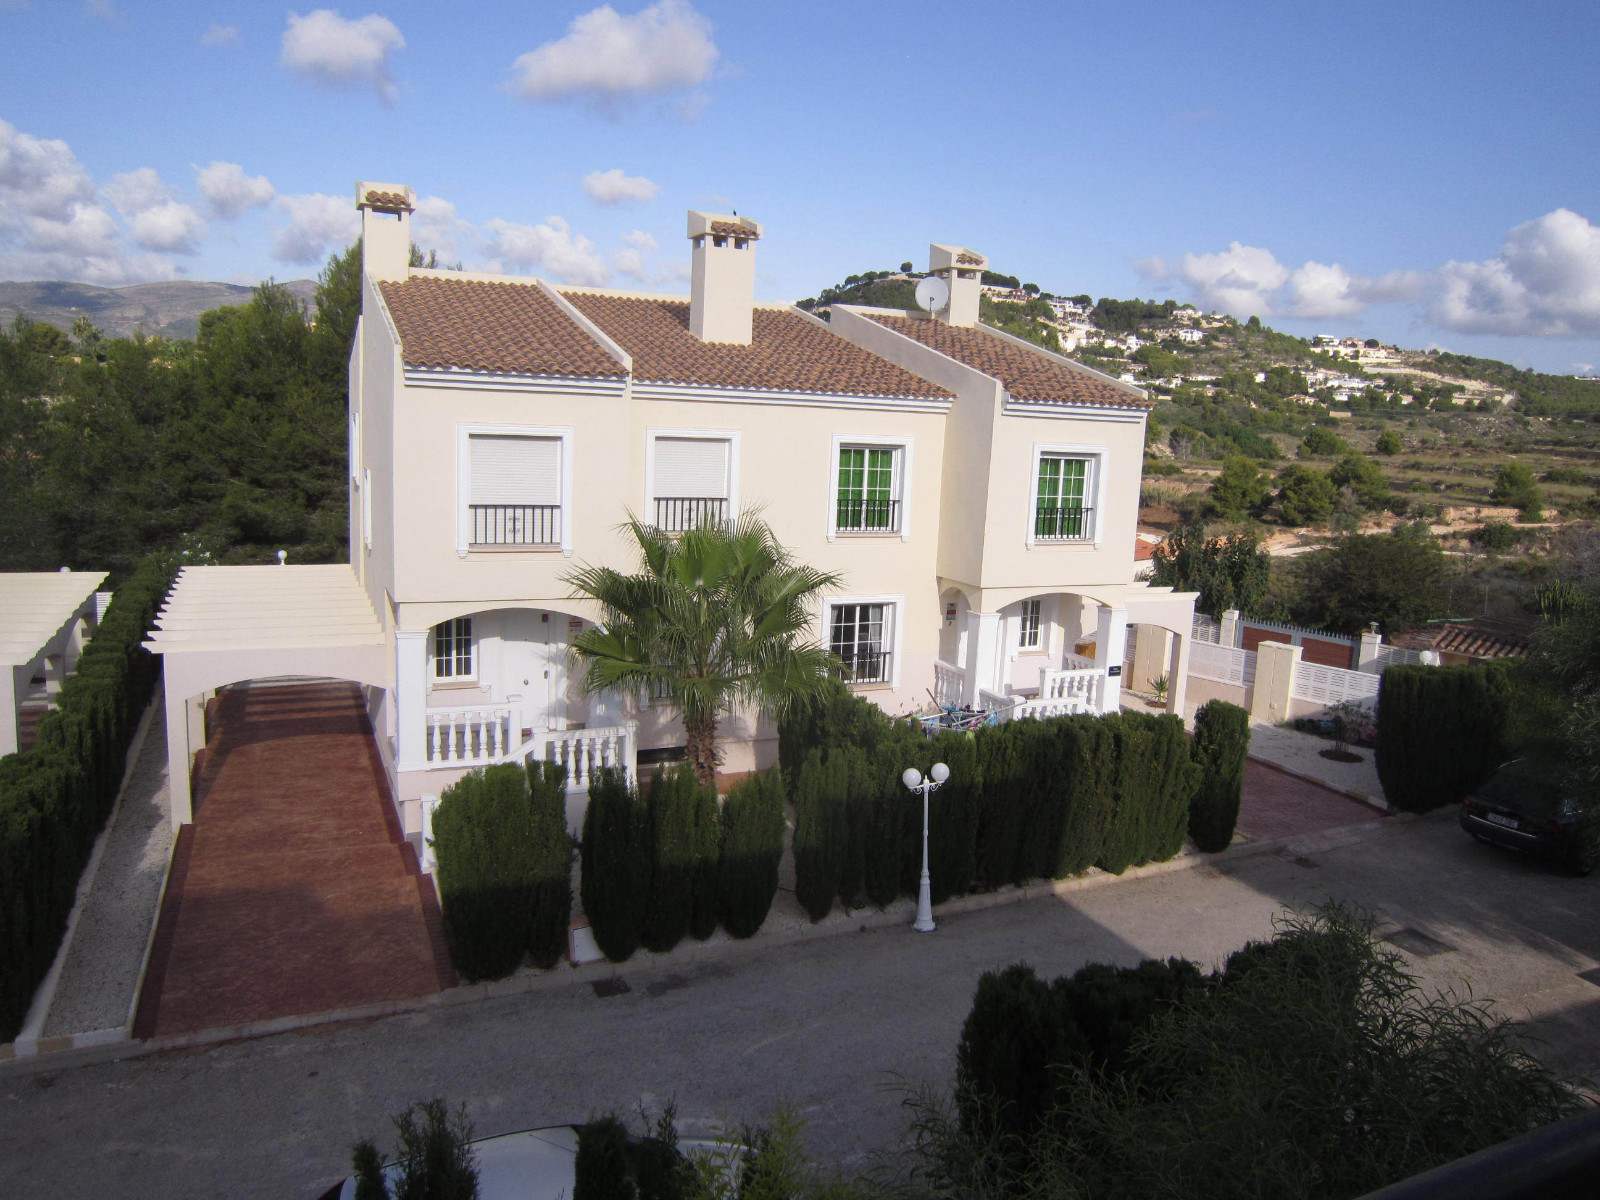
(1221, 744)
(1014, 1037)
(1441, 732)
(603, 1169)
(672, 810)
(483, 838)
(883, 830)
(551, 861)
(1388, 443)
(954, 812)
(1322, 443)
(752, 835)
(55, 799)
(1495, 537)
(820, 795)
(707, 868)
(616, 863)
(1152, 779)
(434, 1158)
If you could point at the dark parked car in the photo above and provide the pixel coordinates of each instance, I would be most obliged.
(1540, 806)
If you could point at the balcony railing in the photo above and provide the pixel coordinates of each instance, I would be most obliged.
(865, 666)
(516, 524)
(675, 514)
(868, 516)
(1063, 524)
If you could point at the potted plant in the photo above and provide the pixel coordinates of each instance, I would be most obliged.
(1159, 687)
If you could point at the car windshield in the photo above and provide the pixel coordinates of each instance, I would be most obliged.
(1528, 787)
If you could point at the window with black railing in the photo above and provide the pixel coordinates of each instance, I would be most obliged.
(1063, 523)
(516, 524)
(856, 635)
(674, 514)
(867, 516)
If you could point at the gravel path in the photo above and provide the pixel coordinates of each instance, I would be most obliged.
(101, 973)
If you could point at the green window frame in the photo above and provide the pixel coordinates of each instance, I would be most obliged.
(1060, 513)
(868, 480)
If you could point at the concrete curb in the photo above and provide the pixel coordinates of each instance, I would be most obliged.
(29, 1040)
(110, 1045)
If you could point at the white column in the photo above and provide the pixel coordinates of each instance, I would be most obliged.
(1367, 650)
(984, 659)
(55, 673)
(180, 758)
(411, 699)
(1111, 640)
(1179, 674)
(1231, 628)
(1275, 667)
(9, 704)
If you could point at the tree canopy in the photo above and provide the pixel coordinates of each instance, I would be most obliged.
(1228, 572)
(1396, 578)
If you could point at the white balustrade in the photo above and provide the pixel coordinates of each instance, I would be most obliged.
(1078, 690)
(1330, 685)
(1224, 664)
(581, 751)
(948, 683)
(469, 737)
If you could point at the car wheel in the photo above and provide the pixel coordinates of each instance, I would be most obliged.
(1584, 861)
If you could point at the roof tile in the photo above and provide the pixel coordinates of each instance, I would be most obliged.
(788, 352)
(507, 328)
(1030, 378)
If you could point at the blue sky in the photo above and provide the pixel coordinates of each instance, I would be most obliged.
(1424, 173)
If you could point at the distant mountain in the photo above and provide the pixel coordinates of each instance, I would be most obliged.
(164, 309)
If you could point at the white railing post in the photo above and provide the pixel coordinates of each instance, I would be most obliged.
(430, 862)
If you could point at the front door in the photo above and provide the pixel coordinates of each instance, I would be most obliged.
(534, 664)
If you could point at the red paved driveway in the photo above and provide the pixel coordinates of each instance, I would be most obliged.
(293, 891)
(1278, 805)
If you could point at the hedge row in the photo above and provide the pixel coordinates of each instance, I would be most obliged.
(505, 868)
(1025, 800)
(1221, 743)
(55, 799)
(1441, 732)
(673, 863)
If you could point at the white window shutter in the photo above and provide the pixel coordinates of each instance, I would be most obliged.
(691, 467)
(515, 470)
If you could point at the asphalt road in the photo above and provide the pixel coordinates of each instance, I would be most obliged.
(837, 1027)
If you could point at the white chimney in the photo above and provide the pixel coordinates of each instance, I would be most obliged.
(963, 270)
(722, 289)
(385, 229)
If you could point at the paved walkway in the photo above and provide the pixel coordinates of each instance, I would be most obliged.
(1275, 804)
(293, 892)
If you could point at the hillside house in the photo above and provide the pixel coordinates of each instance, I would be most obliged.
(978, 494)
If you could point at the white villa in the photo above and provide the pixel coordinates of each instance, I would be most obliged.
(978, 494)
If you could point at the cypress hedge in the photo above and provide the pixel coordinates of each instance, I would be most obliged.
(552, 856)
(483, 840)
(670, 807)
(752, 834)
(707, 850)
(820, 828)
(55, 799)
(1441, 732)
(1151, 780)
(616, 863)
(1221, 744)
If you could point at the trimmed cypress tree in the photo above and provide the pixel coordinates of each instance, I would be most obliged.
(551, 885)
(819, 832)
(671, 809)
(1441, 732)
(616, 863)
(854, 808)
(1003, 812)
(1221, 744)
(1085, 799)
(883, 845)
(1151, 779)
(707, 847)
(483, 839)
(752, 836)
(1014, 1036)
(603, 1169)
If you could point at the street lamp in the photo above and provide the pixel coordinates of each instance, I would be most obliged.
(913, 780)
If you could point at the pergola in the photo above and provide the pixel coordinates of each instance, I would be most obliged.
(224, 625)
(43, 615)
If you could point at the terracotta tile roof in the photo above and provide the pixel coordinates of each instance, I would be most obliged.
(735, 229)
(510, 328)
(1475, 639)
(788, 352)
(1029, 377)
(388, 200)
(970, 260)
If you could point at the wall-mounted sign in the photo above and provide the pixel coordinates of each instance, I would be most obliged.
(1116, 670)
(950, 611)
(574, 625)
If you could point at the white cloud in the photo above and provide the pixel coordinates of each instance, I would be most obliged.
(435, 226)
(613, 187)
(1240, 280)
(169, 226)
(317, 223)
(1545, 282)
(87, 230)
(220, 35)
(325, 48)
(629, 261)
(1323, 290)
(229, 191)
(607, 58)
(640, 240)
(135, 191)
(569, 257)
(40, 177)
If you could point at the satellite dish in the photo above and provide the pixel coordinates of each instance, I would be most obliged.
(933, 294)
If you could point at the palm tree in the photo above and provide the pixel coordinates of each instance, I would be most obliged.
(717, 616)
